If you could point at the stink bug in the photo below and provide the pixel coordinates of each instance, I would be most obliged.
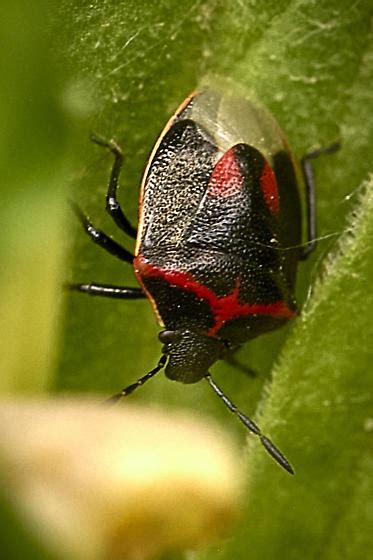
(219, 236)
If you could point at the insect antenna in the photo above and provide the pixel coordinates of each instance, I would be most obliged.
(250, 425)
(128, 390)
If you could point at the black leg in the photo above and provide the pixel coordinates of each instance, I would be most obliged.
(250, 425)
(102, 239)
(128, 390)
(311, 195)
(112, 204)
(109, 291)
(231, 359)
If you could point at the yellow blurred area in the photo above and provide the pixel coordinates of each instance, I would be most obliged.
(126, 482)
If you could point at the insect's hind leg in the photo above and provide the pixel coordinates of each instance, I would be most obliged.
(112, 205)
(309, 181)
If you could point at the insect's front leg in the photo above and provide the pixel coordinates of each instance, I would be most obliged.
(231, 359)
(108, 290)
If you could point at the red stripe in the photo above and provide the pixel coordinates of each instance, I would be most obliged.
(226, 179)
(269, 188)
(223, 308)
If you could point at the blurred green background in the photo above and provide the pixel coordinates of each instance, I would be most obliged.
(120, 69)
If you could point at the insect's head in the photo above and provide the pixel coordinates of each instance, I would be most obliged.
(190, 354)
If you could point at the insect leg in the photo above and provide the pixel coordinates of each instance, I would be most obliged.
(128, 390)
(266, 442)
(231, 359)
(309, 181)
(102, 239)
(112, 204)
(108, 290)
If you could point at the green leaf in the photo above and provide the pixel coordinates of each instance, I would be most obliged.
(36, 136)
(319, 404)
(310, 63)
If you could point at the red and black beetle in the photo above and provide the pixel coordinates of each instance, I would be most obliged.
(219, 236)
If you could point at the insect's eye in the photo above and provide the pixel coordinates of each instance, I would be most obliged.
(167, 337)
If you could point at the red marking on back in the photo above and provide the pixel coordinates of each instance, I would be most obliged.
(226, 179)
(269, 188)
(223, 308)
